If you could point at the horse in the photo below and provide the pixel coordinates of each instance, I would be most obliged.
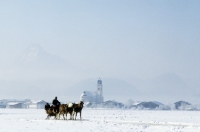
(78, 108)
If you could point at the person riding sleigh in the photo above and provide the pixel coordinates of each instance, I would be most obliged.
(56, 104)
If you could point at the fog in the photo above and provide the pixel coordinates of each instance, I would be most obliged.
(147, 50)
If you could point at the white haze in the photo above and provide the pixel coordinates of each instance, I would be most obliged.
(147, 50)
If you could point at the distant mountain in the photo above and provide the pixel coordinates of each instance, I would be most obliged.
(36, 63)
(37, 73)
(168, 86)
(113, 89)
(36, 56)
(46, 88)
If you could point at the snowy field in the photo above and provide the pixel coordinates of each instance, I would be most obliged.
(101, 120)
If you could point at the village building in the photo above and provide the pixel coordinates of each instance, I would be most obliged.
(180, 104)
(93, 96)
(2, 105)
(15, 105)
(36, 104)
(22, 104)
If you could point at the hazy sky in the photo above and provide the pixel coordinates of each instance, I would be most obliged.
(129, 38)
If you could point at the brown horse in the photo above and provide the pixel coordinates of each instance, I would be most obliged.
(50, 112)
(63, 110)
(78, 108)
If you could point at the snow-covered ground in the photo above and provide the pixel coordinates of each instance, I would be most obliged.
(27, 120)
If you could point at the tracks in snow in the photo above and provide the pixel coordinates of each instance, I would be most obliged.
(151, 123)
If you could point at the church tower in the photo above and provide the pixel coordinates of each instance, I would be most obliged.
(99, 91)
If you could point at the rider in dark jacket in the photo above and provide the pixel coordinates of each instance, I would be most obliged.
(56, 104)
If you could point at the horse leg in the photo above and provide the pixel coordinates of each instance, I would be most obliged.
(75, 115)
(63, 116)
(71, 116)
(56, 116)
(80, 116)
(47, 117)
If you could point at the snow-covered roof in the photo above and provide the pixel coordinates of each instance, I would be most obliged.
(89, 93)
(136, 102)
(37, 101)
(158, 103)
(14, 103)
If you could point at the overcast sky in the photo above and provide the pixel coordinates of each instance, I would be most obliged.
(126, 39)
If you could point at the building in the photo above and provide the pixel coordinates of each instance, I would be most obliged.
(93, 96)
(88, 96)
(36, 104)
(22, 104)
(15, 105)
(2, 105)
(180, 104)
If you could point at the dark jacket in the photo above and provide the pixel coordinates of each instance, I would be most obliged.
(55, 102)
